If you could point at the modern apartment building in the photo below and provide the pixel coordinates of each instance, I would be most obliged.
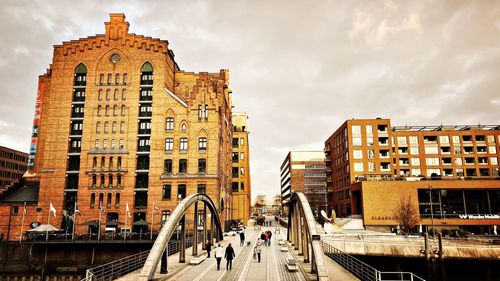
(304, 171)
(241, 186)
(119, 125)
(370, 164)
(13, 164)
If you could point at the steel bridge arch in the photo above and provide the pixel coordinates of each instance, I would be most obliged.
(303, 234)
(161, 243)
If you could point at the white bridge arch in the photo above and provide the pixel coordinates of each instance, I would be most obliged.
(178, 216)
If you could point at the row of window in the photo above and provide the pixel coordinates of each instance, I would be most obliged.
(235, 186)
(183, 144)
(169, 125)
(108, 110)
(109, 199)
(110, 181)
(10, 165)
(414, 150)
(11, 175)
(114, 127)
(183, 164)
(203, 111)
(10, 155)
(112, 143)
(235, 170)
(181, 191)
(111, 163)
(109, 80)
(116, 94)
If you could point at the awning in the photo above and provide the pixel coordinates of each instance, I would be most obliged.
(44, 228)
(91, 223)
(141, 223)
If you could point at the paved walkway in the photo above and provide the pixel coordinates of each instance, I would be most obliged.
(272, 266)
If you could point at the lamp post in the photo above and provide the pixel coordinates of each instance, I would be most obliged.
(432, 211)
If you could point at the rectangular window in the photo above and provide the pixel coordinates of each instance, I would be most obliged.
(167, 166)
(242, 186)
(242, 141)
(181, 191)
(206, 111)
(165, 215)
(369, 129)
(415, 172)
(170, 124)
(235, 142)
(369, 141)
(242, 156)
(444, 139)
(401, 140)
(202, 188)
(432, 161)
(456, 139)
(494, 161)
(432, 172)
(415, 161)
(202, 144)
(358, 167)
(242, 171)
(122, 127)
(183, 144)
(413, 139)
(235, 187)
(235, 172)
(356, 129)
(167, 190)
(200, 111)
(356, 141)
(357, 154)
(202, 165)
(492, 149)
(169, 144)
(183, 166)
(431, 150)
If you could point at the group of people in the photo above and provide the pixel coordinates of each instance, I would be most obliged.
(266, 237)
(229, 254)
(268, 223)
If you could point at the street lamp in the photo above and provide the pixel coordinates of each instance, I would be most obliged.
(432, 211)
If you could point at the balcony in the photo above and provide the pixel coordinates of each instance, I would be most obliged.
(327, 149)
(144, 131)
(144, 148)
(76, 132)
(146, 98)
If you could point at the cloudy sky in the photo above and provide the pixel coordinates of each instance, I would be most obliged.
(299, 68)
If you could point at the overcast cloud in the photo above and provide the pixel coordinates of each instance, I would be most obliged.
(299, 68)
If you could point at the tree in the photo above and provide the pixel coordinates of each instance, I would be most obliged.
(277, 200)
(406, 213)
(260, 201)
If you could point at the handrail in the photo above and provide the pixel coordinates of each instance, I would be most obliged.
(123, 266)
(362, 270)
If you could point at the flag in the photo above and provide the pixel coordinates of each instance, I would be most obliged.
(156, 208)
(53, 210)
(101, 208)
(77, 210)
(127, 210)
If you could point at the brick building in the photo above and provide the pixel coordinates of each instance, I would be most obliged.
(304, 171)
(13, 164)
(118, 123)
(370, 165)
(241, 187)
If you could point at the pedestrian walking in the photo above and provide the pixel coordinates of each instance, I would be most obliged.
(267, 238)
(219, 252)
(270, 235)
(229, 256)
(209, 247)
(242, 238)
(258, 249)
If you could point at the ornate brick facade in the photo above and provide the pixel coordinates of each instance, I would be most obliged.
(121, 123)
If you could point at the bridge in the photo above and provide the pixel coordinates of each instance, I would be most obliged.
(296, 251)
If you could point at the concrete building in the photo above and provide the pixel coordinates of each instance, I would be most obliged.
(241, 186)
(13, 164)
(454, 169)
(304, 171)
(119, 125)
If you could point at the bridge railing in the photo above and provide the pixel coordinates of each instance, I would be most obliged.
(362, 270)
(113, 270)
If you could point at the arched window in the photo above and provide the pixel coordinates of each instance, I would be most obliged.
(116, 94)
(117, 78)
(80, 75)
(99, 96)
(99, 110)
(108, 94)
(169, 124)
(183, 127)
(124, 94)
(147, 74)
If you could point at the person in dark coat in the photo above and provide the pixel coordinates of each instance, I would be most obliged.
(242, 238)
(209, 248)
(229, 256)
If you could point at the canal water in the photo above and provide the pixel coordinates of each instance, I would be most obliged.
(449, 270)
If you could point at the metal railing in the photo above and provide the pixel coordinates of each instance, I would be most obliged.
(113, 270)
(362, 270)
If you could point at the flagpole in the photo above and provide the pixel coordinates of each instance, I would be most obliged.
(22, 223)
(125, 232)
(74, 223)
(48, 222)
(152, 220)
(99, 227)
